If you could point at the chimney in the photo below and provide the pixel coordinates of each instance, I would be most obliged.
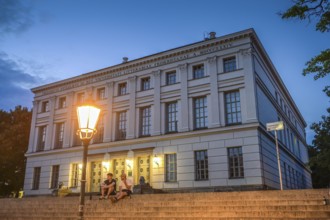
(125, 59)
(212, 35)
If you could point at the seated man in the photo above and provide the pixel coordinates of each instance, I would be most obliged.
(124, 188)
(108, 187)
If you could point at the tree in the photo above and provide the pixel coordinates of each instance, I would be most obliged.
(14, 138)
(320, 11)
(320, 152)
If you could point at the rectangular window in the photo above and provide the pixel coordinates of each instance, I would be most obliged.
(235, 162)
(45, 106)
(121, 125)
(59, 135)
(74, 175)
(198, 71)
(36, 178)
(233, 108)
(145, 83)
(80, 98)
(145, 121)
(170, 78)
(100, 93)
(201, 165)
(229, 64)
(170, 160)
(98, 138)
(55, 175)
(62, 102)
(41, 138)
(172, 117)
(122, 89)
(200, 113)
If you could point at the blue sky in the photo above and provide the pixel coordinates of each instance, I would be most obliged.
(42, 41)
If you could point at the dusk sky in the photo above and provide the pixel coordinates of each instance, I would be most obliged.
(43, 41)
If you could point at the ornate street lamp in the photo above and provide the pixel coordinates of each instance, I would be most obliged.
(87, 120)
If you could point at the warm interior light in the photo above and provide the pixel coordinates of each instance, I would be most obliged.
(80, 166)
(106, 165)
(129, 164)
(87, 119)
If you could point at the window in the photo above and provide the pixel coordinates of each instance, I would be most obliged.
(233, 108)
(101, 93)
(45, 106)
(74, 175)
(172, 117)
(98, 138)
(62, 102)
(170, 160)
(235, 160)
(201, 165)
(55, 175)
(122, 89)
(229, 64)
(145, 83)
(41, 138)
(170, 78)
(80, 97)
(121, 125)
(36, 178)
(145, 121)
(59, 135)
(198, 71)
(200, 113)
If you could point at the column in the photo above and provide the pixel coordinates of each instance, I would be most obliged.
(68, 127)
(108, 120)
(156, 114)
(250, 85)
(50, 126)
(213, 105)
(131, 112)
(184, 122)
(33, 135)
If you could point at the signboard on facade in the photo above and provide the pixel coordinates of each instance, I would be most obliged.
(275, 126)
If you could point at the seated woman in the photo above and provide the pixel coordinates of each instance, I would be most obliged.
(124, 188)
(108, 186)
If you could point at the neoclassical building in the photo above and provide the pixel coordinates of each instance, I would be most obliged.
(189, 118)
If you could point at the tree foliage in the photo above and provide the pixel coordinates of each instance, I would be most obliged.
(320, 152)
(14, 138)
(318, 10)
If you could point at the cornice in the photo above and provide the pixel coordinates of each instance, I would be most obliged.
(148, 62)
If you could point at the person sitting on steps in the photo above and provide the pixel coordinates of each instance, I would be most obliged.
(124, 188)
(108, 187)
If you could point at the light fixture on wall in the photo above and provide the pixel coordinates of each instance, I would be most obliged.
(106, 161)
(129, 160)
(156, 160)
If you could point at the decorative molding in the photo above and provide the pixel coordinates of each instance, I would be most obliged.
(183, 67)
(247, 52)
(156, 73)
(132, 79)
(212, 60)
(110, 84)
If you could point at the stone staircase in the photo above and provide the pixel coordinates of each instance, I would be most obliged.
(272, 204)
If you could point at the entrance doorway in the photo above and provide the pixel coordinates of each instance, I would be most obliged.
(144, 168)
(96, 176)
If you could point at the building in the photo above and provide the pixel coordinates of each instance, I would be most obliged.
(190, 118)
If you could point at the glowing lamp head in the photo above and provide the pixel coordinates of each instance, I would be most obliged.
(87, 120)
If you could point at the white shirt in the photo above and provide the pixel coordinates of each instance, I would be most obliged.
(123, 186)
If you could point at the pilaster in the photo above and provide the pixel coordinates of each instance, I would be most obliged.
(32, 139)
(68, 127)
(51, 125)
(131, 112)
(213, 106)
(108, 119)
(184, 122)
(156, 113)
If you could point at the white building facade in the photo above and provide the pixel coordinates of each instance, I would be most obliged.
(190, 118)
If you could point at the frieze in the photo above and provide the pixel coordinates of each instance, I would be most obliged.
(108, 76)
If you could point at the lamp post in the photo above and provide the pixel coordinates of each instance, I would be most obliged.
(276, 126)
(87, 119)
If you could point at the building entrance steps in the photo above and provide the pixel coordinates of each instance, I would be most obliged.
(272, 204)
